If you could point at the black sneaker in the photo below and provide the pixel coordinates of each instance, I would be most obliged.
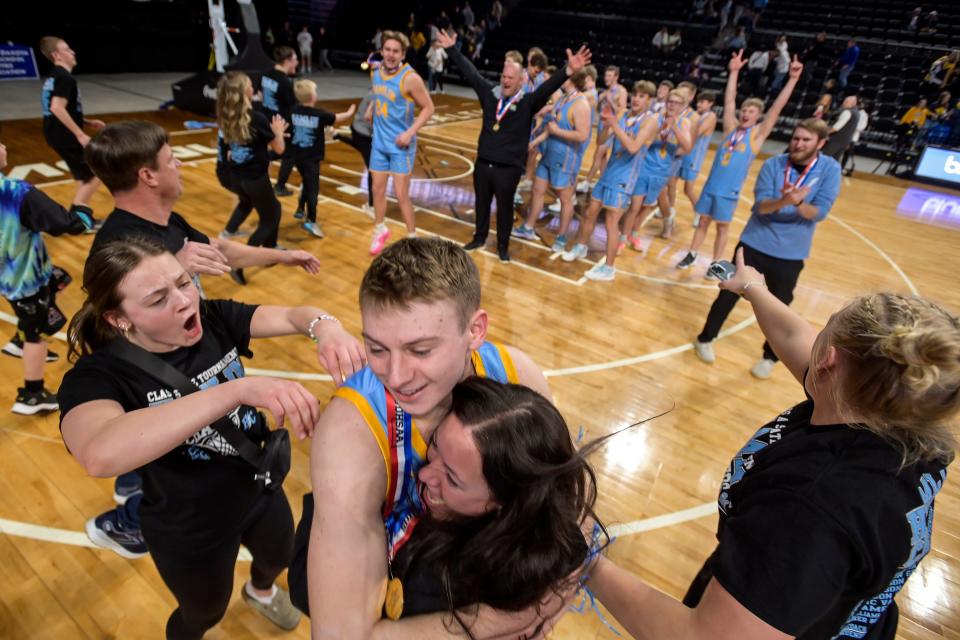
(504, 256)
(32, 402)
(106, 531)
(282, 190)
(474, 244)
(237, 276)
(60, 279)
(299, 215)
(688, 260)
(14, 348)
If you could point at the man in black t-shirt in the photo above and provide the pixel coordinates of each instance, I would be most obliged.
(277, 89)
(307, 148)
(63, 119)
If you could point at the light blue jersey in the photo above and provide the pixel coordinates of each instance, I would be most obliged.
(692, 162)
(393, 110)
(731, 164)
(661, 153)
(623, 168)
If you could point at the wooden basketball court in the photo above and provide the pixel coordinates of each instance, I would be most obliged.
(615, 353)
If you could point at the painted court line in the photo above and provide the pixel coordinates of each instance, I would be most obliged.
(666, 520)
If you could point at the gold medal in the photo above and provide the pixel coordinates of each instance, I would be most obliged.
(393, 603)
(496, 126)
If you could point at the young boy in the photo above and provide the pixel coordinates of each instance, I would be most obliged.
(26, 275)
(63, 119)
(307, 148)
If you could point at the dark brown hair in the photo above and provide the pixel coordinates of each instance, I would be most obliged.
(117, 153)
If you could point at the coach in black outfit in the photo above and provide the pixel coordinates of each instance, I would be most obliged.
(502, 146)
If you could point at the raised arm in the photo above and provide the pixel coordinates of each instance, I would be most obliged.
(345, 116)
(480, 84)
(770, 119)
(730, 93)
(575, 62)
(612, 126)
(239, 255)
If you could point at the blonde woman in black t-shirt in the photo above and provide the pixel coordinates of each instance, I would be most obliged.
(200, 497)
(828, 509)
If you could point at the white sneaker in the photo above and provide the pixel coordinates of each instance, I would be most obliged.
(602, 273)
(656, 213)
(763, 369)
(704, 351)
(555, 207)
(584, 186)
(696, 220)
(578, 251)
(524, 185)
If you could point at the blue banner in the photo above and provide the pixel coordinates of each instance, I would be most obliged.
(17, 63)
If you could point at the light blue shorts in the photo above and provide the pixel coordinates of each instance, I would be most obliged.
(611, 197)
(649, 187)
(393, 161)
(719, 208)
(559, 171)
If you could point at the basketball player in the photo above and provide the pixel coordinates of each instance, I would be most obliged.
(668, 197)
(705, 125)
(567, 129)
(663, 90)
(632, 133)
(616, 96)
(398, 90)
(742, 139)
(673, 138)
(63, 119)
(278, 98)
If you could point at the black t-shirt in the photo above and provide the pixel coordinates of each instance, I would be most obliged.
(250, 160)
(201, 490)
(820, 528)
(123, 224)
(60, 84)
(306, 131)
(278, 96)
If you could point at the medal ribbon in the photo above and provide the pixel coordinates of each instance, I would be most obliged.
(801, 177)
(503, 108)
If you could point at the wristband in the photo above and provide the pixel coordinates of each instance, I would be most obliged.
(314, 322)
(758, 283)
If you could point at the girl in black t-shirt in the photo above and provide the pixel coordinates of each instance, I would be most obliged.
(248, 136)
(828, 509)
(200, 500)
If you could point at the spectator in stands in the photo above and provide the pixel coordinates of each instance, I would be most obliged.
(377, 39)
(737, 41)
(693, 71)
(674, 40)
(849, 156)
(847, 62)
(781, 62)
(756, 70)
(825, 101)
(496, 14)
(697, 11)
(467, 15)
(943, 106)
(916, 116)
(757, 7)
(725, 13)
(323, 44)
(914, 24)
(843, 129)
(660, 39)
(942, 71)
(930, 22)
(815, 48)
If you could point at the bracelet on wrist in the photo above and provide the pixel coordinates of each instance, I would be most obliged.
(313, 323)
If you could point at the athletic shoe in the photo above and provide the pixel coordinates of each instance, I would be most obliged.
(474, 244)
(29, 403)
(106, 531)
(560, 244)
(667, 230)
(280, 611)
(584, 186)
(96, 226)
(299, 215)
(380, 235)
(517, 199)
(621, 245)
(635, 243)
(763, 369)
(601, 273)
(313, 229)
(524, 185)
(709, 275)
(282, 190)
(704, 351)
(696, 220)
(230, 235)
(525, 232)
(125, 487)
(688, 260)
(504, 256)
(237, 276)
(59, 279)
(578, 251)
(656, 213)
(14, 348)
(555, 207)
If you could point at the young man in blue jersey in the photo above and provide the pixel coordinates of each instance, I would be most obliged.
(424, 331)
(742, 139)
(705, 125)
(615, 95)
(25, 277)
(632, 132)
(673, 138)
(793, 193)
(667, 202)
(568, 128)
(398, 90)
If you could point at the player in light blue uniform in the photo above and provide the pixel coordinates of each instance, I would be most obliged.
(398, 91)
(667, 202)
(706, 124)
(616, 95)
(673, 136)
(742, 139)
(632, 131)
(568, 127)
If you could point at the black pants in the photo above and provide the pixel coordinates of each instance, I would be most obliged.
(286, 167)
(256, 193)
(491, 180)
(309, 187)
(297, 575)
(781, 276)
(362, 144)
(202, 582)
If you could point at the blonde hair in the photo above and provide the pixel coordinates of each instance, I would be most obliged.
(399, 37)
(514, 56)
(48, 45)
(422, 270)
(645, 87)
(753, 102)
(900, 372)
(678, 93)
(591, 71)
(233, 107)
(305, 90)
